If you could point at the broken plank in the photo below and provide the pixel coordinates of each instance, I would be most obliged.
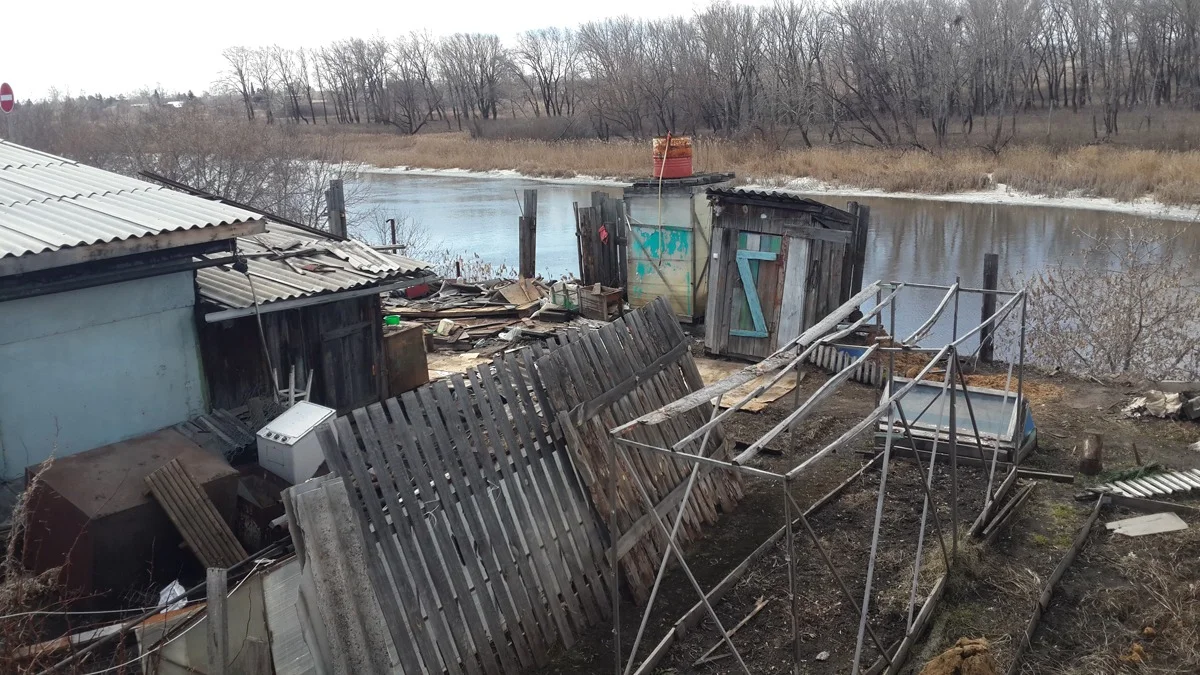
(1007, 514)
(707, 656)
(1154, 523)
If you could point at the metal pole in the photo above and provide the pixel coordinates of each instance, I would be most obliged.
(926, 485)
(662, 567)
(954, 329)
(712, 613)
(838, 578)
(1020, 430)
(951, 368)
(791, 574)
(866, 603)
(614, 533)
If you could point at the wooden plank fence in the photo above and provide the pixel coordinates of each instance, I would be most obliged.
(601, 379)
(601, 232)
(488, 551)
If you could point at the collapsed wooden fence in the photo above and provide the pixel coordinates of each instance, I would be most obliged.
(489, 554)
(604, 378)
(483, 496)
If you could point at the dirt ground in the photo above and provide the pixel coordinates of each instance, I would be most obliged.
(992, 590)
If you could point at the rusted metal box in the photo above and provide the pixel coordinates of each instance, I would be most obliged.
(93, 514)
(404, 354)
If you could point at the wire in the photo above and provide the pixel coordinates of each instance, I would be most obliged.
(48, 612)
(158, 647)
(262, 336)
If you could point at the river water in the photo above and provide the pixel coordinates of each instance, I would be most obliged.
(910, 239)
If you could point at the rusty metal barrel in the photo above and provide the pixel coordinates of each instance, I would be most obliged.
(672, 157)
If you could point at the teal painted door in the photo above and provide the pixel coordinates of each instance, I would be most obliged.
(754, 298)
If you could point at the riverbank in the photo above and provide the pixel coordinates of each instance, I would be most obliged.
(1107, 177)
(995, 193)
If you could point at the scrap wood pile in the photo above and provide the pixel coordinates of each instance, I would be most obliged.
(1168, 399)
(467, 316)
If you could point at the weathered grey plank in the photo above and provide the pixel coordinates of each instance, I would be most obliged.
(525, 511)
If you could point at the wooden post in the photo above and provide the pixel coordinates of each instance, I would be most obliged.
(527, 235)
(392, 225)
(862, 224)
(218, 627)
(991, 277)
(335, 203)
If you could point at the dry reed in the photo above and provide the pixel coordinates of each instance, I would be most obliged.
(1122, 173)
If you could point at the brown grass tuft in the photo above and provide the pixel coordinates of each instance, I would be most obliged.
(1122, 173)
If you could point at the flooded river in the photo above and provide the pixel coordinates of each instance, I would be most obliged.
(913, 240)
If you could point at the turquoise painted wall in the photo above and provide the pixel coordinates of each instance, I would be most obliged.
(90, 367)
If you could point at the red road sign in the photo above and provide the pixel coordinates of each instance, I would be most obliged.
(7, 100)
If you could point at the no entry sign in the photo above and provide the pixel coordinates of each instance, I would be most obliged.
(7, 100)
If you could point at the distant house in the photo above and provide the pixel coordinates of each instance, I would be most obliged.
(98, 335)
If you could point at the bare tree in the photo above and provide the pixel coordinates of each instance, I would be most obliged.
(238, 78)
(262, 69)
(548, 61)
(416, 96)
(287, 67)
(1131, 309)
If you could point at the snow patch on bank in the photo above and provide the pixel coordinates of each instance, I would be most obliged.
(999, 193)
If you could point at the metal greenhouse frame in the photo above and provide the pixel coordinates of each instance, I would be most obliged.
(898, 426)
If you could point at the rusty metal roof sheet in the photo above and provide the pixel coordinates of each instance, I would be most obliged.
(774, 198)
(48, 203)
(287, 262)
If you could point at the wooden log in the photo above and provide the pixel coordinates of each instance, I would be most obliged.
(1091, 461)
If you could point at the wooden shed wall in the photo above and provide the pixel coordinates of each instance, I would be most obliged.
(801, 285)
(340, 342)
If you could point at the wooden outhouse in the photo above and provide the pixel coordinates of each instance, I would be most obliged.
(670, 227)
(780, 262)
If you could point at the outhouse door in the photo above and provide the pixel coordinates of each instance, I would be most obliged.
(768, 292)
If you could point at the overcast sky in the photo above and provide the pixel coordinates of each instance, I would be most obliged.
(121, 46)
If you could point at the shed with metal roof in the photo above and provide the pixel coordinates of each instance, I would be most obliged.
(780, 262)
(98, 339)
(303, 300)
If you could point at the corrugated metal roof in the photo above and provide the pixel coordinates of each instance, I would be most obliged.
(786, 200)
(306, 265)
(48, 203)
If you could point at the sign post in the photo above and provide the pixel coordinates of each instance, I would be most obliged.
(7, 103)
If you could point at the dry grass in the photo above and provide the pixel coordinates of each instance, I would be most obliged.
(1123, 173)
(1146, 618)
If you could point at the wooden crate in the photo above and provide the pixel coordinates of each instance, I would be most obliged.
(604, 305)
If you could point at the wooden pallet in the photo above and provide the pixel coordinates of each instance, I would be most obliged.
(195, 516)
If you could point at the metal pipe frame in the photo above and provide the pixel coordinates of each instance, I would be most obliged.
(892, 406)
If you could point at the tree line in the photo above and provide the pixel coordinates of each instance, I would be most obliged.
(880, 72)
